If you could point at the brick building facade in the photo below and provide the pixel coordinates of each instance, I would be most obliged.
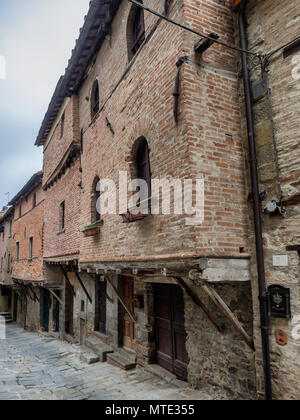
(143, 98)
(122, 287)
(6, 225)
(27, 252)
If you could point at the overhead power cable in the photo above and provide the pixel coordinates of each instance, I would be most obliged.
(283, 46)
(225, 44)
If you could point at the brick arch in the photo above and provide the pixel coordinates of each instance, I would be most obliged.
(143, 129)
(93, 197)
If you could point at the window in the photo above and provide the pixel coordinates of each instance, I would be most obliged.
(95, 98)
(17, 251)
(292, 48)
(143, 165)
(136, 30)
(34, 200)
(9, 263)
(96, 211)
(20, 211)
(167, 6)
(62, 125)
(10, 228)
(62, 217)
(30, 253)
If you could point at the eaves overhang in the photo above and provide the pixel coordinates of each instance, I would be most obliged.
(96, 27)
(34, 181)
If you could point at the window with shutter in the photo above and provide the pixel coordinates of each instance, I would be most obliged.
(95, 99)
(143, 165)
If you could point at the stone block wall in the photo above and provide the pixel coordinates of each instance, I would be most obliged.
(269, 25)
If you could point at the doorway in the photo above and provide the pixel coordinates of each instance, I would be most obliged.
(170, 331)
(100, 305)
(46, 303)
(129, 341)
(56, 312)
(69, 310)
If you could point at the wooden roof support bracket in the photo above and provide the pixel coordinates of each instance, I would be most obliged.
(67, 279)
(82, 285)
(219, 302)
(34, 294)
(197, 301)
(56, 297)
(132, 316)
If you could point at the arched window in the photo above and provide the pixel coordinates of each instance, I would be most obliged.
(136, 30)
(95, 98)
(95, 210)
(143, 165)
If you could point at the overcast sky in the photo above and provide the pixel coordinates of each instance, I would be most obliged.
(36, 39)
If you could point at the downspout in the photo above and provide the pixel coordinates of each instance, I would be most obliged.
(256, 209)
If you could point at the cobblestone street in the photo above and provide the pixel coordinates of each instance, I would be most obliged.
(38, 368)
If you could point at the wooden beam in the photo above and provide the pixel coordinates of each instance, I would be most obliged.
(67, 279)
(34, 294)
(106, 295)
(132, 316)
(82, 285)
(56, 297)
(197, 301)
(219, 302)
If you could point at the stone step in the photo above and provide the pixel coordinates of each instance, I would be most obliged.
(98, 347)
(120, 361)
(87, 356)
(7, 316)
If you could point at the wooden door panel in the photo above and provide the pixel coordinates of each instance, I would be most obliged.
(170, 329)
(128, 324)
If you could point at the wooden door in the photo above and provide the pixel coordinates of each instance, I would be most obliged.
(69, 310)
(129, 341)
(46, 309)
(171, 351)
(100, 306)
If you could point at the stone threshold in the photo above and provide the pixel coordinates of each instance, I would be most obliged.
(164, 374)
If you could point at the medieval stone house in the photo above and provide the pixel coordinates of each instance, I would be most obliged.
(131, 287)
(143, 98)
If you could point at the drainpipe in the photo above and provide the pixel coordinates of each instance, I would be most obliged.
(256, 209)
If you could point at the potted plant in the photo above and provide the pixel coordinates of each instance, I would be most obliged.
(93, 229)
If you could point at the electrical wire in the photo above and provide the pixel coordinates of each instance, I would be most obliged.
(224, 44)
(283, 46)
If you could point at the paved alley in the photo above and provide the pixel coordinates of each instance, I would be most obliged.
(33, 367)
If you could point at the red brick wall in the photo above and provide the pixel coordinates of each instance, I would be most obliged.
(56, 146)
(30, 224)
(211, 114)
(5, 249)
(206, 140)
(67, 189)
